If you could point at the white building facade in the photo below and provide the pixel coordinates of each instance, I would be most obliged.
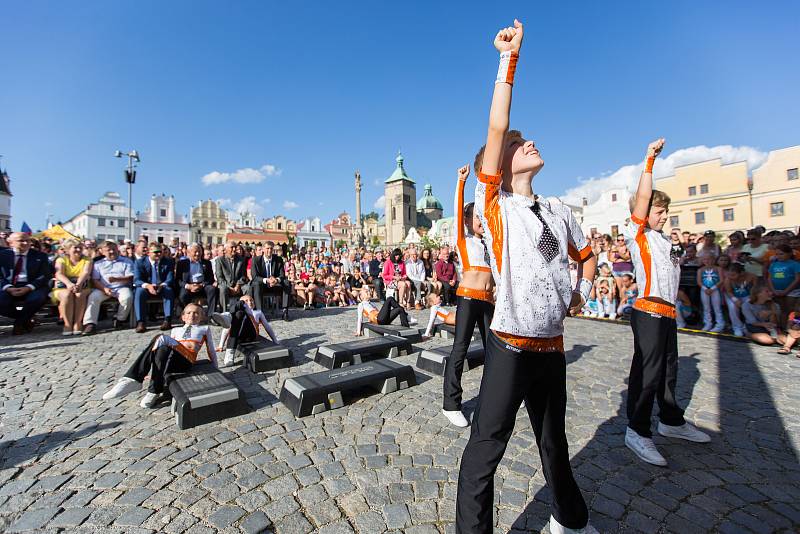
(311, 233)
(159, 222)
(608, 214)
(105, 220)
(5, 202)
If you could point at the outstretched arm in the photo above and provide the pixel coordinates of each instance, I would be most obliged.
(644, 192)
(508, 42)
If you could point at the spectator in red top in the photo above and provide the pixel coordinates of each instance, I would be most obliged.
(446, 274)
(394, 275)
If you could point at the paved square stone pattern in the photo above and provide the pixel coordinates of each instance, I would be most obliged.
(74, 463)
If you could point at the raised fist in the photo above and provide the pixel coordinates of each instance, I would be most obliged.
(463, 172)
(509, 39)
(654, 148)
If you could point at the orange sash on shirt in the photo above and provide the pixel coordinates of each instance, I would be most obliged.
(533, 344)
(477, 294)
(186, 351)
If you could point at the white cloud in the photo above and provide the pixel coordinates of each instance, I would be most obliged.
(290, 205)
(266, 200)
(380, 204)
(244, 205)
(223, 202)
(242, 176)
(628, 176)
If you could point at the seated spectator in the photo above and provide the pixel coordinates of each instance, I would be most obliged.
(24, 281)
(761, 316)
(783, 278)
(195, 277)
(627, 294)
(153, 277)
(736, 288)
(268, 277)
(165, 356)
(394, 276)
(231, 276)
(684, 311)
(376, 274)
(792, 330)
(446, 274)
(415, 270)
(73, 273)
(112, 277)
(358, 285)
(433, 285)
(604, 292)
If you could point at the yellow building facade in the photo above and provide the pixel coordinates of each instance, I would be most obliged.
(776, 190)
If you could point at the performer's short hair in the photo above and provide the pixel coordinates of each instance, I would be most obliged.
(511, 134)
(658, 199)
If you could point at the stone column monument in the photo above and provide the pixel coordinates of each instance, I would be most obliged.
(359, 225)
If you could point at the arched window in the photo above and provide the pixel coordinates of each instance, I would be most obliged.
(205, 224)
(213, 224)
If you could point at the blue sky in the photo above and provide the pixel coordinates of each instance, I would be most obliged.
(317, 90)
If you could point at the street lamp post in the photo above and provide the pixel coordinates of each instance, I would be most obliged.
(130, 177)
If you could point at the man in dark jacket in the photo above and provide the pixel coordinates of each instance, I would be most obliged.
(268, 277)
(153, 276)
(24, 281)
(232, 276)
(375, 271)
(195, 277)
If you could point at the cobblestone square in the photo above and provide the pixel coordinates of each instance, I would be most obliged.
(383, 463)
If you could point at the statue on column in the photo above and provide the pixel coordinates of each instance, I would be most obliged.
(359, 226)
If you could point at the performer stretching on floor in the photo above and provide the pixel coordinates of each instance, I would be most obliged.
(529, 239)
(241, 326)
(475, 299)
(654, 368)
(166, 355)
(368, 312)
(438, 316)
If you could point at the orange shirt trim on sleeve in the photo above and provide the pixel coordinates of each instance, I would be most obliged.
(460, 243)
(492, 213)
(579, 256)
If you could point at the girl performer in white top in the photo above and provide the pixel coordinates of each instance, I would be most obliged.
(241, 325)
(391, 309)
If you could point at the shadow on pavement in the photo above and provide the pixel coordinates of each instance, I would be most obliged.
(20, 450)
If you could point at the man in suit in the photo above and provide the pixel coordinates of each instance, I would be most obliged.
(24, 281)
(268, 277)
(153, 277)
(232, 276)
(195, 277)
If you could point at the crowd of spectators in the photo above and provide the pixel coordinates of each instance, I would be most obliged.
(746, 283)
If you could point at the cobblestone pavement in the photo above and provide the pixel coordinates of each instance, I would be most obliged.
(73, 463)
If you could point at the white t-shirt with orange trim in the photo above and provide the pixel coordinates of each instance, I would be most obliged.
(471, 250)
(533, 295)
(658, 271)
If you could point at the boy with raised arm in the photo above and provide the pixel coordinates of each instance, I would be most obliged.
(529, 239)
(654, 368)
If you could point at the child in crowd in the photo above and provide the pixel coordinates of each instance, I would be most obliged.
(736, 288)
(683, 308)
(604, 294)
(167, 355)
(792, 330)
(591, 308)
(783, 278)
(438, 314)
(761, 316)
(710, 278)
(628, 291)
(241, 325)
(391, 309)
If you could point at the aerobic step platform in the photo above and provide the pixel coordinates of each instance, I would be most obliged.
(264, 355)
(411, 333)
(448, 331)
(361, 350)
(435, 360)
(204, 395)
(317, 392)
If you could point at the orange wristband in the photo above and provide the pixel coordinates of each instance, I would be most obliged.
(648, 168)
(507, 68)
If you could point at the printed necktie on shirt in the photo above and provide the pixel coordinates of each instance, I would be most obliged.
(548, 244)
(187, 334)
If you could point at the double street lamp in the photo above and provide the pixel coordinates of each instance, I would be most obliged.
(130, 177)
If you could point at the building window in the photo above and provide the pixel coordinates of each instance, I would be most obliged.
(394, 214)
(692, 191)
(111, 207)
(776, 209)
(101, 221)
(703, 189)
(700, 217)
(674, 221)
(791, 174)
(213, 224)
(163, 213)
(613, 197)
(279, 226)
(121, 223)
(727, 214)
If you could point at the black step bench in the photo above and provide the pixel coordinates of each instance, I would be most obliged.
(204, 395)
(411, 333)
(448, 331)
(318, 392)
(435, 360)
(264, 355)
(361, 350)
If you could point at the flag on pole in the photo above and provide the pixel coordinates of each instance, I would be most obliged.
(25, 228)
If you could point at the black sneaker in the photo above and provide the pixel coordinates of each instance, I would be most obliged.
(285, 315)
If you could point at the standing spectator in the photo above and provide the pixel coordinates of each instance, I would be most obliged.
(195, 277)
(231, 276)
(415, 270)
(752, 254)
(73, 272)
(736, 240)
(446, 275)
(24, 281)
(708, 246)
(621, 262)
(604, 257)
(112, 277)
(677, 244)
(736, 288)
(783, 278)
(709, 279)
(153, 277)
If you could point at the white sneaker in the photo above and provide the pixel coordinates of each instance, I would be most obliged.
(738, 332)
(229, 357)
(707, 327)
(558, 528)
(612, 316)
(412, 321)
(685, 431)
(718, 328)
(123, 387)
(222, 319)
(149, 400)
(456, 418)
(644, 448)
